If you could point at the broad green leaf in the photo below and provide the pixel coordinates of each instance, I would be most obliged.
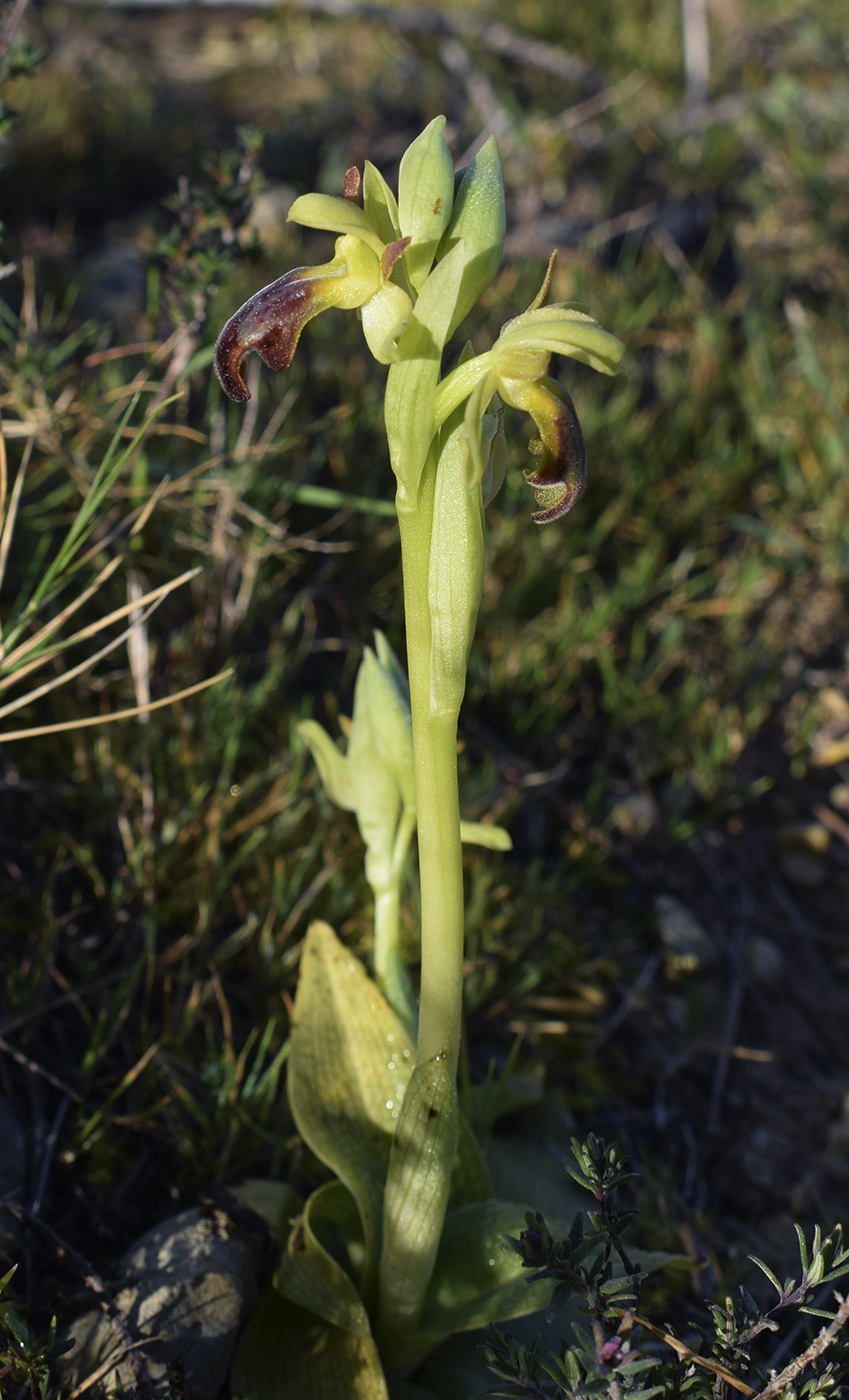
(285, 1353)
(326, 211)
(415, 1198)
(412, 381)
(469, 1177)
(349, 1065)
(333, 768)
(479, 218)
(309, 1276)
(494, 838)
(475, 1281)
(425, 198)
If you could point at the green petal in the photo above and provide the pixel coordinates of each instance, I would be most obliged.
(326, 211)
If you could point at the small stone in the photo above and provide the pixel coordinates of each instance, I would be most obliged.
(636, 815)
(802, 869)
(765, 960)
(686, 945)
(190, 1283)
(839, 797)
(804, 836)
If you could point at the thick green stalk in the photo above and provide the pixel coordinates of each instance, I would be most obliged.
(437, 803)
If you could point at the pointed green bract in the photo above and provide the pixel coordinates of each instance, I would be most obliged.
(412, 381)
(479, 218)
(455, 576)
(349, 1065)
(425, 198)
(332, 766)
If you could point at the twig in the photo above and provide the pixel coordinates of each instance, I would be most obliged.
(820, 1344)
(696, 50)
(35, 1068)
(95, 1284)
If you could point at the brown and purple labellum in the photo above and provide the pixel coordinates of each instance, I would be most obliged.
(561, 474)
(270, 323)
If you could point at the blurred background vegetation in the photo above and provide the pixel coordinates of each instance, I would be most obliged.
(658, 704)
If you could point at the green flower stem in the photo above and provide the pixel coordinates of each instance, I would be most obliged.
(437, 801)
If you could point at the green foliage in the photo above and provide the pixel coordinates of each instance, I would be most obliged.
(616, 1354)
(25, 1360)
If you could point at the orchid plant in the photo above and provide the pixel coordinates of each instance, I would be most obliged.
(399, 1252)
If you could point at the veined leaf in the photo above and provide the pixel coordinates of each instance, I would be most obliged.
(349, 1066)
(309, 1276)
(475, 1281)
(285, 1353)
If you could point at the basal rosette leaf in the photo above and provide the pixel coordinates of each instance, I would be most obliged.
(349, 1066)
(309, 1276)
(286, 1353)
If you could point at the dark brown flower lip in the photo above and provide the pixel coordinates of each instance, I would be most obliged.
(563, 464)
(561, 475)
(269, 323)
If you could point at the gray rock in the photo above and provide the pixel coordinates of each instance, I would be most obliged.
(190, 1283)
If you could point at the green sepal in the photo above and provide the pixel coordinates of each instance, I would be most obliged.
(309, 1276)
(349, 1065)
(285, 1353)
(415, 1199)
(493, 838)
(425, 198)
(333, 767)
(560, 330)
(326, 211)
(480, 218)
(412, 381)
